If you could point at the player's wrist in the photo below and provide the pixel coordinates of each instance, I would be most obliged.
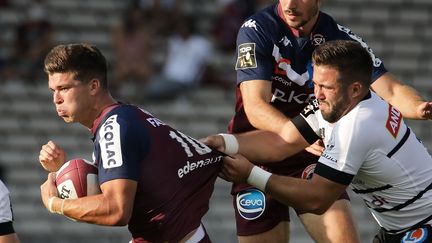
(258, 178)
(50, 204)
(52, 208)
(231, 143)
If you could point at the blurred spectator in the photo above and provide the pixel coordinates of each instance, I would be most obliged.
(132, 41)
(228, 22)
(33, 40)
(4, 3)
(164, 12)
(187, 58)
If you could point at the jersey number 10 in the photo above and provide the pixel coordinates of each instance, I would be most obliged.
(185, 141)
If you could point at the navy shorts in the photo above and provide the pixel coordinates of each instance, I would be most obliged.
(257, 212)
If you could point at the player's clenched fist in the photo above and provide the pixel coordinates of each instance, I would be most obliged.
(214, 141)
(236, 168)
(51, 157)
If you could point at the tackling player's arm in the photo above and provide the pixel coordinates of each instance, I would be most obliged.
(403, 97)
(256, 95)
(271, 147)
(113, 207)
(259, 145)
(314, 196)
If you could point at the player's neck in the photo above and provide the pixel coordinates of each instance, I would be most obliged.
(100, 105)
(306, 29)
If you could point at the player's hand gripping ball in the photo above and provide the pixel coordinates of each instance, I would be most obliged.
(77, 178)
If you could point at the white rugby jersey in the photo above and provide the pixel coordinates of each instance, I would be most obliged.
(5, 206)
(373, 150)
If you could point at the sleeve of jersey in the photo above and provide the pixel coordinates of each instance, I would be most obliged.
(307, 122)
(123, 146)
(254, 53)
(333, 174)
(345, 152)
(378, 65)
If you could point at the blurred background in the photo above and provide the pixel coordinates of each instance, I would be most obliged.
(143, 41)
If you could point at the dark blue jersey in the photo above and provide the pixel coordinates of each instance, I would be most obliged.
(268, 49)
(175, 173)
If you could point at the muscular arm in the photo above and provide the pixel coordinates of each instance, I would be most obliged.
(403, 97)
(112, 207)
(256, 95)
(270, 147)
(314, 196)
(263, 146)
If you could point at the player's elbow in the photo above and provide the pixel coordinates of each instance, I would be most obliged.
(281, 149)
(120, 219)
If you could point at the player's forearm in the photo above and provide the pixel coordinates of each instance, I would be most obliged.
(264, 146)
(92, 209)
(263, 116)
(299, 194)
(407, 105)
(405, 98)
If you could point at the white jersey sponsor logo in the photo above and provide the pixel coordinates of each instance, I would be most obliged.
(191, 166)
(111, 152)
(299, 98)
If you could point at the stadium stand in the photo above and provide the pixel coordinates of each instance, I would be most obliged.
(396, 29)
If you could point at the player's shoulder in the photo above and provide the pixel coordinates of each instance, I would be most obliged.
(330, 28)
(368, 116)
(124, 115)
(264, 21)
(127, 111)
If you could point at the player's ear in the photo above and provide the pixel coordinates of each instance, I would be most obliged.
(356, 89)
(94, 85)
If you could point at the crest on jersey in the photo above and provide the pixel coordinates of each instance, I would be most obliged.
(415, 236)
(246, 56)
(251, 203)
(308, 172)
(318, 39)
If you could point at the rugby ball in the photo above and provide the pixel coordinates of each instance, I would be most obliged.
(77, 178)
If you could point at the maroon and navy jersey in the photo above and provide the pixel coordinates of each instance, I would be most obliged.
(268, 49)
(175, 173)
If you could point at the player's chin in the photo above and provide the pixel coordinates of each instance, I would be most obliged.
(67, 119)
